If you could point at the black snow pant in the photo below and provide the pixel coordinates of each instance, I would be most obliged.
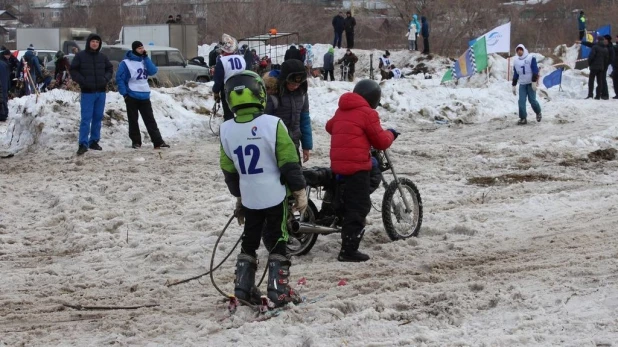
(227, 113)
(615, 80)
(425, 45)
(598, 74)
(135, 107)
(349, 39)
(416, 42)
(331, 73)
(581, 34)
(270, 225)
(356, 205)
(604, 85)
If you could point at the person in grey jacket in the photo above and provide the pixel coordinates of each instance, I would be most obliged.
(329, 64)
(291, 104)
(597, 60)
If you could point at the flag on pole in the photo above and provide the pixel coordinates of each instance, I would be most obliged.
(591, 36)
(479, 56)
(464, 66)
(553, 79)
(448, 76)
(498, 39)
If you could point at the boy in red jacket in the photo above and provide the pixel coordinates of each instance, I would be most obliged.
(354, 129)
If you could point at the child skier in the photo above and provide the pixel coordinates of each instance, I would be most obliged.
(228, 64)
(261, 165)
(354, 129)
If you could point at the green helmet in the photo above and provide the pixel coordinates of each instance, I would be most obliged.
(244, 90)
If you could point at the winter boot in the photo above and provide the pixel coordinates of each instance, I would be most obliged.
(279, 291)
(349, 248)
(244, 284)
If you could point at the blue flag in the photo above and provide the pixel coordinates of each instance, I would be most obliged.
(553, 79)
(592, 37)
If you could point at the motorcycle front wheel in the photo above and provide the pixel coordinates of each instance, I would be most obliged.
(398, 222)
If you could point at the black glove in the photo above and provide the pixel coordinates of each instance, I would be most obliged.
(217, 98)
(395, 133)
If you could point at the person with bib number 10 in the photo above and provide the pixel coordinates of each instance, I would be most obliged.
(261, 167)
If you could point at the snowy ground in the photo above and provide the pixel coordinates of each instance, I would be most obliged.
(517, 248)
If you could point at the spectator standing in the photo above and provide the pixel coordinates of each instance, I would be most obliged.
(425, 34)
(411, 35)
(611, 62)
(92, 70)
(179, 19)
(581, 24)
(348, 25)
(338, 27)
(132, 80)
(62, 67)
(170, 20)
(292, 53)
(614, 74)
(5, 85)
(329, 64)
(597, 60)
(418, 30)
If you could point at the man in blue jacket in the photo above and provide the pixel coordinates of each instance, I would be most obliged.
(132, 80)
(425, 34)
(92, 70)
(338, 27)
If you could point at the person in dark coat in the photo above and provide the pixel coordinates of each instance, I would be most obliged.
(212, 56)
(338, 27)
(92, 70)
(62, 67)
(12, 63)
(348, 25)
(597, 60)
(292, 53)
(5, 85)
(329, 64)
(170, 20)
(581, 24)
(349, 59)
(425, 34)
(291, 104)
(34, 67)
(614, 74)
(611, 62)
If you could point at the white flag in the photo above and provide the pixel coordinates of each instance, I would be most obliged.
(498, 39)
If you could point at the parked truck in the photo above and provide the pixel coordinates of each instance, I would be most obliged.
(55, 39)
(180, 36)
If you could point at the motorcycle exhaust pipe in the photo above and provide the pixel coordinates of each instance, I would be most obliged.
(307, 228)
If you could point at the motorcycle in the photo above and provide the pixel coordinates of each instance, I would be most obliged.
(402, 207)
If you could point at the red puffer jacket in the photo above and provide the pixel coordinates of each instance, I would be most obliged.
(354, 128)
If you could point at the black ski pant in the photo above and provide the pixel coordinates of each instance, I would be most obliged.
(135, 107)
(416, 42)
(425, 45)
(327, 73)
(598, 74)
(270, 225)
(615, 80)
(581, 34)
(604, 85)
(356, 205)
(227, 113)
(349, 39)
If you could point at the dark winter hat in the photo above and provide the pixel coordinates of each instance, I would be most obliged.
(350, 13)
(136, 44)
(387, 53)
(6, 52)
(293, 70)
(608, 37)
(31, 48)
(170, 17)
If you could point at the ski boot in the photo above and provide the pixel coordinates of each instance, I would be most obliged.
(279, 292)
(244, 284)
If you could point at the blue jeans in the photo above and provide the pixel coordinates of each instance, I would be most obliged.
(337, 41)
(526, 91)
(92, 105)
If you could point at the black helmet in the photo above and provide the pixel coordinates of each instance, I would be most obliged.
(370, 91)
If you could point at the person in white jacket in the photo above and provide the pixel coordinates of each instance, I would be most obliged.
(411, 37)
(526, 72)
